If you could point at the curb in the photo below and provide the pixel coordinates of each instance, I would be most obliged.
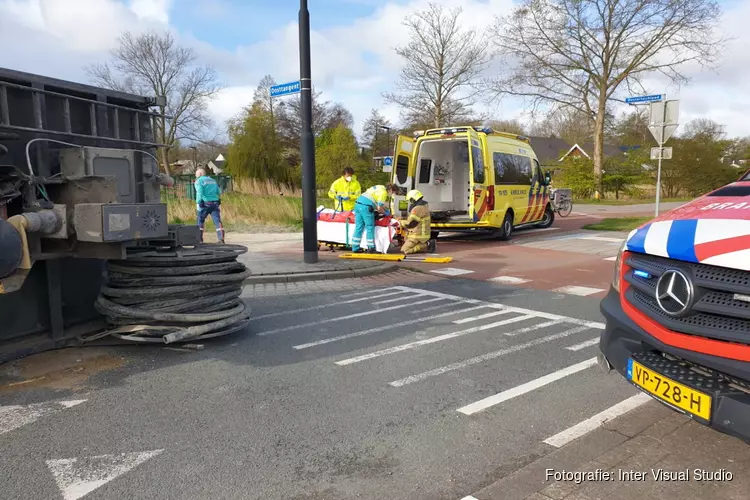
(320, 275)
(531, 479)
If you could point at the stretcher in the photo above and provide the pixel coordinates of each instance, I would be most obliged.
(397, 258)
(336, 230)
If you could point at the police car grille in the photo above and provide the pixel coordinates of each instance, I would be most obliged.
(715, 312)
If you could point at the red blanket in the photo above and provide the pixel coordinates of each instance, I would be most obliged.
(349, 217)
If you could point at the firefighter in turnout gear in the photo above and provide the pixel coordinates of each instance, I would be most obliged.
(371, 201)
(417, 225)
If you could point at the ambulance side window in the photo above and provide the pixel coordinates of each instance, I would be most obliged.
(478, 161)
(505, 169)
(523, 163)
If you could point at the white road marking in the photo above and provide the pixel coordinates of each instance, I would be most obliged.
(452, 271)
(333, 304)
(532, 328)
(481, 316)
(583, 345)
(602, 238)
(488, 356)
(581, 291)
(13, 417)
(519, 310)
(405, 297)
(597, 420)
(349, 316)
(367, 292)
(509, 280)
(77, 478)
(469, 498)
(614, 258)
(390, 326)
(432, 340)
(538, 229)
(525, 388)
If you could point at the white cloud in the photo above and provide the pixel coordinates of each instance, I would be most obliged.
(352, 63)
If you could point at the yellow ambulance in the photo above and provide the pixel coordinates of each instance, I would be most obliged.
(475, 180)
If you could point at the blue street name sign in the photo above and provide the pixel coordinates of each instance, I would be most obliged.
(643, 98)
(388, 161)
(285, 89)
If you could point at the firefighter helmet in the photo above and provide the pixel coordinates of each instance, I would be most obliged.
(414, 195)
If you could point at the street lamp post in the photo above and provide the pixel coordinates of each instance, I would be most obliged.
(387, 139)
(307, 143)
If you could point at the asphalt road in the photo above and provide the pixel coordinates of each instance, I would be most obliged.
(329, 396)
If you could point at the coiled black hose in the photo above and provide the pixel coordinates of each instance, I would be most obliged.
(175, 295)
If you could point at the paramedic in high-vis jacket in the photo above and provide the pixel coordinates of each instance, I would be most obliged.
(345, 190)
(417, 225)
(373, 200)
(208, 199)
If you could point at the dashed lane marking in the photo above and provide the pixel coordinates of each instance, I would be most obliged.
(581, 291)
(583, 345)
(522, 389)
(77, 477)
(509, 280)
(452, 271)
(374, 295)
(513, 333)
(13, 417)
(391, 325)
(350, 316)
(488, 356)
(432, 340)
(613, 258)
(588, 425)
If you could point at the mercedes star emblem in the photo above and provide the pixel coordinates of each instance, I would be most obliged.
(674, 292)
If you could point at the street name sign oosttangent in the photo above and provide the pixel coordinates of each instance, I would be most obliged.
(285, 89)
(662, 122)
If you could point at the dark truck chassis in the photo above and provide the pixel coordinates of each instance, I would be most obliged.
(79, 196)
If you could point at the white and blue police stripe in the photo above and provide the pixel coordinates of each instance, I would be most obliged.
(676, 239)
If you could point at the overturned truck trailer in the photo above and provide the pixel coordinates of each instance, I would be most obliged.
(86, 251)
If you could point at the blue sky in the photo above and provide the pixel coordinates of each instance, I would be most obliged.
(353, 42)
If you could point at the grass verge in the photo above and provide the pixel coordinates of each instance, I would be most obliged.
(591, 201)
(618, 224)
(246, 213)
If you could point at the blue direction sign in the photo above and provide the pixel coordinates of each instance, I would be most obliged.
(388, 161)
(285, 89)
(643, 98)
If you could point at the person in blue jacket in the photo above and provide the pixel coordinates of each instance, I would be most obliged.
(208, 198)
(373, 200)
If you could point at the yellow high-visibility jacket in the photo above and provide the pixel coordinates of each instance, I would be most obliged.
(377, 194)
(350, 190)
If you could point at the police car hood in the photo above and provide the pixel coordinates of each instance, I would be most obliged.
(713, 229)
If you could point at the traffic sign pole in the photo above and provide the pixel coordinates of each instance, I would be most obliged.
(662, 124)
(307, 142)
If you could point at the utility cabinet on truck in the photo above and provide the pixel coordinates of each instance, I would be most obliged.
(79, 183)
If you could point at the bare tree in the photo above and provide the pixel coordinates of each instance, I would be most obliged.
(442, 62)
(582, 54)
(570, 125)
(704, 127)
(153, 64)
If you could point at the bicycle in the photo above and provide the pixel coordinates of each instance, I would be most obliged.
(561, 201)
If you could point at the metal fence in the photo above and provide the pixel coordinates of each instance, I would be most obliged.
(184, 186)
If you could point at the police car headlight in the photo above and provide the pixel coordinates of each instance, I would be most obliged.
(618, 266)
